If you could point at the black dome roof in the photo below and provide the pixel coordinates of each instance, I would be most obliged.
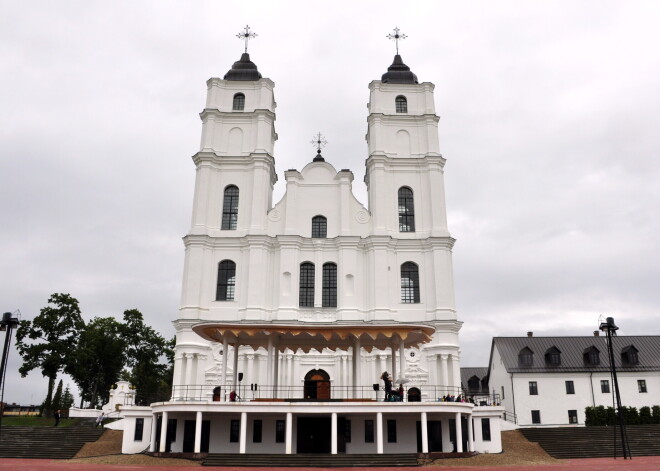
(243, 69)
(399, 72)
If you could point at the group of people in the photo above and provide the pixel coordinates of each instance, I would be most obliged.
(451, 398)
(391, 395)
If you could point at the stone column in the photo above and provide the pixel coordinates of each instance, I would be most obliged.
(163, 432)
(425, 434)
(276, 370)
(402, 360)
(188, 379)
(470, 437)
(243, 438)
(459, 433)
(289, 433)
(198, 432)
(154, 424)
(379, 433)
(269, 363)
(333, 434)
(237, 346)
(225, 358)
(445, 376)
(393, 363)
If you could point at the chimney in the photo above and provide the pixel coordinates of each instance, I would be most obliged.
(596, 333)
(530, 334)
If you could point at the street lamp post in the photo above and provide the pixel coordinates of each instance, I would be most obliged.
(610, 328)
(7, 324)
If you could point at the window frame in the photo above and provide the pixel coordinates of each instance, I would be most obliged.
(391, 430)
(329, 285)
(230, 201)
(572, 416)
(641, 386)
(138, 433)
(485, 430)
(533, 388)
(234, 430)
(319, 227)
(536, 417)
(257, 430)
(280, 431)
(225, 289)
(401, 104)
(238, 102)
(605, 386)
(406, 209)
(306, 285)
(410, 293)
(570, 386)
(369, 431)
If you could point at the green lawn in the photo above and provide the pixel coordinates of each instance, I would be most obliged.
(31, 421)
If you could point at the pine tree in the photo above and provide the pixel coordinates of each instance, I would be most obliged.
(57, 398)
(67, 398)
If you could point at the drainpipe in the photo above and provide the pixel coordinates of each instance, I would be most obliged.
(591, 383)
(513, 400)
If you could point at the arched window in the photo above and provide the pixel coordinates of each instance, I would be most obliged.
(239, 102)
(401, 104)
(329, 285)
(553, 356)
(306, 290)
(319, 227)
(230, 209)
(409, 283)
(226, 281)
(406, 210)
(525, 357)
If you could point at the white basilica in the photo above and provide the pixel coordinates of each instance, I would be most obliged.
(299, 306)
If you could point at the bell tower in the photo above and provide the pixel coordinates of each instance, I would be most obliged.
(236, 153)
(404, 153)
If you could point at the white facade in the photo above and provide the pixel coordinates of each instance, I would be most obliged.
(301, 319)
(591, 384)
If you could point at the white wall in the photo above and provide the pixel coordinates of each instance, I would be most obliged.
(129, 444)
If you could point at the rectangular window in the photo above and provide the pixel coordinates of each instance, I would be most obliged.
(536, 416)
(234, 430)
(306, 286)
(329, 298)
(347, 431)
(485, 430)
(572, 417)
(533, 388)
(280, 427)
(368, 431)
(257, 427)
(605, 386)
(139, 429)
(391, 431)
(570, 387)
(641, 385)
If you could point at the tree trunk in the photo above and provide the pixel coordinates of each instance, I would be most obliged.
(48, 403)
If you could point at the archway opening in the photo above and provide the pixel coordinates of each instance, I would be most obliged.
(317, 385)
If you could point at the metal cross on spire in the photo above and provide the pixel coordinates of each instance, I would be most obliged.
(396, 36)
(319, 142)
(246, 35)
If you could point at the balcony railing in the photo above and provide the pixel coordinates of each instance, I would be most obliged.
(321, 392)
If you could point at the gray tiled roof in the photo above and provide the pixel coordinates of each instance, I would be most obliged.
(572, 353)
(481, 373)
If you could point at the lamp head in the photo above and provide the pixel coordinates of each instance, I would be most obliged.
(609, 325)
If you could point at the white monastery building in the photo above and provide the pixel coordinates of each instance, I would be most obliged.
(549, 381)
(300, 306)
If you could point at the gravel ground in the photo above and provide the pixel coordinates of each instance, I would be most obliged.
(517, 451)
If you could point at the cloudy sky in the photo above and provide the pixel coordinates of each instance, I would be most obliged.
(549, 123)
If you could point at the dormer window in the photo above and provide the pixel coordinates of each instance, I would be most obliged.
(474, 383)
(525, 357)
(401, 104)
(553, 357)
(239, 102)
(629, 356)
(319, 227)
(591, 356)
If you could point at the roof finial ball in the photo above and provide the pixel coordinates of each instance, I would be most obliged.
(319, 142)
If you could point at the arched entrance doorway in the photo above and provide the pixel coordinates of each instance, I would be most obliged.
(317, 385)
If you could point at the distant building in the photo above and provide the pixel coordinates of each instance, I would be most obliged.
(18, 410)
(547, 381)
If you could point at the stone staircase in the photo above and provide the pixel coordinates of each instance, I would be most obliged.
(594, 442)
(256, 460)
(46, 442)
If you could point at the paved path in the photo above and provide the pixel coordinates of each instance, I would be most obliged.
(646, 463)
